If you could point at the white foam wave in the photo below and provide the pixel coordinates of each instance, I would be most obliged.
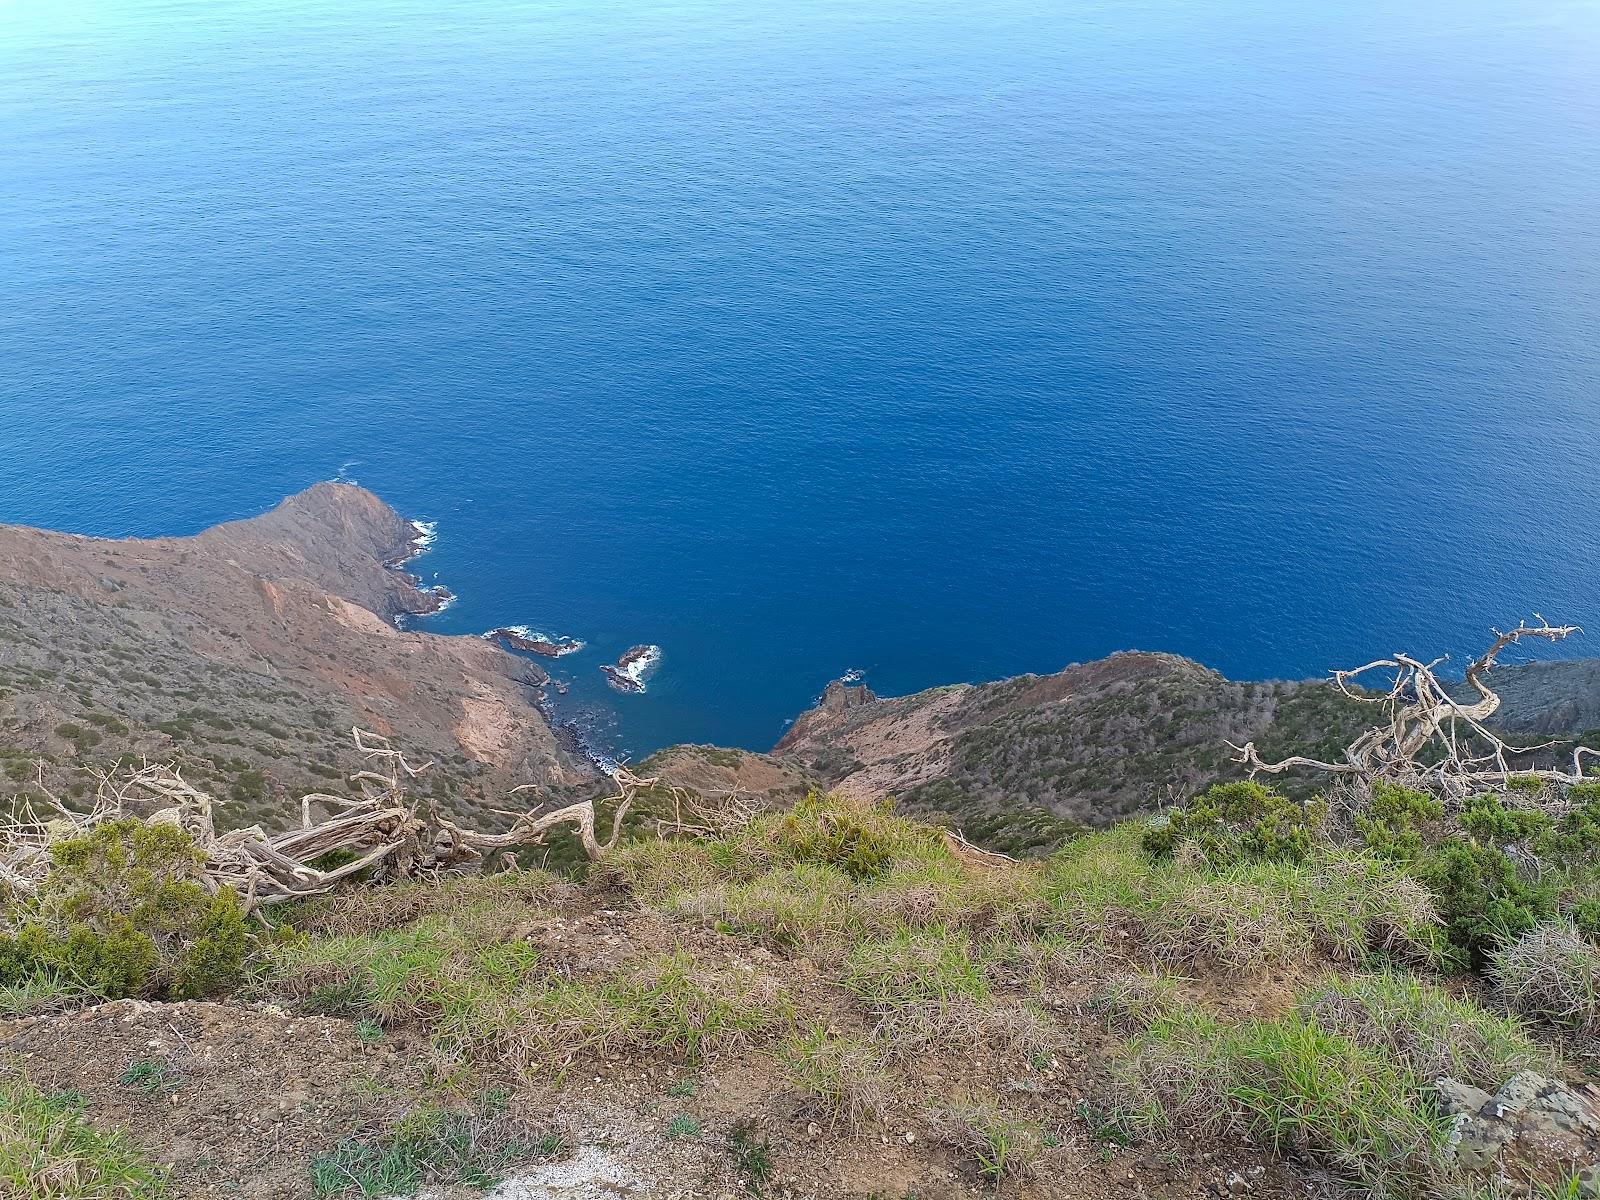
(642, 665)
(631, 670)
(423, 535)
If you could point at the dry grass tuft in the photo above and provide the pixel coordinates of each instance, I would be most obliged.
(845, 1081)
(1552, 974)
(1135, 1000)
(369, 910)
(999, 1146)
(1431, 1032)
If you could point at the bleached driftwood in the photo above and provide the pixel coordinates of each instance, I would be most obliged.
(1430, 739)
(384, 827)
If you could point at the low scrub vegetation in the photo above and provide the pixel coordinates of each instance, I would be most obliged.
(1292, 972)
(121, 912)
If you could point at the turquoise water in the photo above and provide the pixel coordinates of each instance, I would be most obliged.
(943, 341)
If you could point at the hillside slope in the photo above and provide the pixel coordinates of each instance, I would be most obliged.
(1022, 762)
(248, 652)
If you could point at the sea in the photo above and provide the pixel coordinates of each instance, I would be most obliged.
(928, 339)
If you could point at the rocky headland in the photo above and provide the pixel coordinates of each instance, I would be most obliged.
(249, 651)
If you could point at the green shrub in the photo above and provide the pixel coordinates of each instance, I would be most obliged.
(1483, 897)
(1488, 819)
(1396, 821)
(1229, 822)
(1574, 841)
(121, 913)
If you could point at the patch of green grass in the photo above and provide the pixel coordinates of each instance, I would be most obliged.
(428, 1146)
(1252, 913)
(1132, 1002)
(805, 905)
(916, 966)
(150, 1077)
(369, 1032)
(1343, 1076)
(676, 1002)
(1429, 1031)
(683, 1127)
(752, 1158)
(481, 992)
(48, 1151)
(551, 1145)
(41, 991)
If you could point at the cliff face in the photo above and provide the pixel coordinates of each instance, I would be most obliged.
(249, 651)
(1550, 699)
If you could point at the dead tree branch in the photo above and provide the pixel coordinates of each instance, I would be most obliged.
(384, 829)
(1428, 737)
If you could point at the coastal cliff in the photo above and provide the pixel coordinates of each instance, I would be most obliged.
(750, 979)
(248, 652)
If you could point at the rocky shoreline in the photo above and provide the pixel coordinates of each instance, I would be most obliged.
(426, 600)
(290, 619)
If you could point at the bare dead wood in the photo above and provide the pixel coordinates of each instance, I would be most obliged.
(384, 829)
(1428, 738)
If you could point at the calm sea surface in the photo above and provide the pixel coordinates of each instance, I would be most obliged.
(940, 340)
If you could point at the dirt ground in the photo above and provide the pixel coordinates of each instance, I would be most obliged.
(237, 1101)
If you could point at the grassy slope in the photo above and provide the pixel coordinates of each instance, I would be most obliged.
(851, 953)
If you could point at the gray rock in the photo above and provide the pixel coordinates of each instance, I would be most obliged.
(1457, 1098)
(1519, 1092)
(1588, 1181)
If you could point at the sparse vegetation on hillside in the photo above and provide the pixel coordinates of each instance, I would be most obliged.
(1253, 977)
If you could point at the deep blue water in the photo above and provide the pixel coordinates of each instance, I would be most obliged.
(940, 339)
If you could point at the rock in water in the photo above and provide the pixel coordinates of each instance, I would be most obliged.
(631, 670)
(520, 637)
